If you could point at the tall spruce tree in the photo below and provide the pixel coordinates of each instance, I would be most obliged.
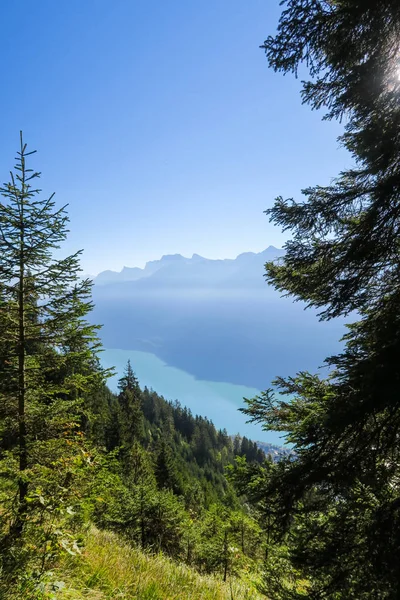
(130, 412)
(165, 468)
(337, 505)
(48, 363)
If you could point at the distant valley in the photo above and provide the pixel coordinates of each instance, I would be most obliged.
(216, 320)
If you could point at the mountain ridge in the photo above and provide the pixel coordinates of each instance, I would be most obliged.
(216, 319)
(171, 262)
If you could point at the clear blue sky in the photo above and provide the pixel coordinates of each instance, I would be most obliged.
(159, 122)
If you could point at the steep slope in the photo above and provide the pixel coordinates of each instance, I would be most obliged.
(109, 568)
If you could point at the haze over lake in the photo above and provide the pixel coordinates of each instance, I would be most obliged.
(209, 332)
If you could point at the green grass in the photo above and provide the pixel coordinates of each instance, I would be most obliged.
(110, 569)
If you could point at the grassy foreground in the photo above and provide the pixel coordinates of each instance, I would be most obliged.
(109, 569)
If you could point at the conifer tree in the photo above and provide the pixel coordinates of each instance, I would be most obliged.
(335, 501)
(48, 357)
(130, 411)
(165, 469)
(129, 380)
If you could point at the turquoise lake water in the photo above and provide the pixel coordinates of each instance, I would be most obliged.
(215, 400)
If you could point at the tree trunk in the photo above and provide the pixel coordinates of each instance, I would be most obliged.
(225, 555)
(143, 538)
(23, 454)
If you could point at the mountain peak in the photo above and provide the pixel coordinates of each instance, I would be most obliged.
(197, 265)
(172, 257)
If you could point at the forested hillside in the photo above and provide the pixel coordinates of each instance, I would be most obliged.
(125, 495)
(74, 455)
(162, 480)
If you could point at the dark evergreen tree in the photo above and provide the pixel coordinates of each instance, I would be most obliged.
(237, 442)
(129, 380)
(333, 503)
(344, 252)
(202, 444)
(47, 365)
(165, 469)
(129, 410)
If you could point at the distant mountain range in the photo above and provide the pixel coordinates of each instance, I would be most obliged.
(215, 319)
(276, 452)
(175, 269)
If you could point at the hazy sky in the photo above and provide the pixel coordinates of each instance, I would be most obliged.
(159, 122)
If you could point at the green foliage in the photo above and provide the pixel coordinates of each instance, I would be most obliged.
(168, 492)
(329, 507)
(72, 453)
(48, 364)
(343, 254)
(110, 568)
(165, 469)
